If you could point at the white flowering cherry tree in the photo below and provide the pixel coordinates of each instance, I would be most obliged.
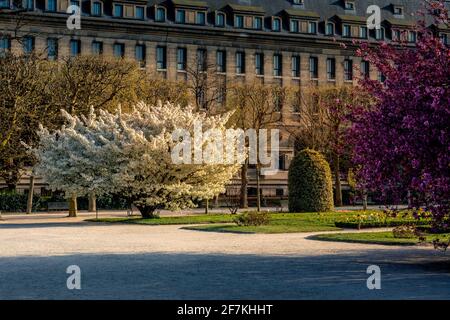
(132, 154)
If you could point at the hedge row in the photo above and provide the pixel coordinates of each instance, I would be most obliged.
(16, 202)
(378, 224)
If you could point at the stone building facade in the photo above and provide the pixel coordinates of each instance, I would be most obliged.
(292, 43)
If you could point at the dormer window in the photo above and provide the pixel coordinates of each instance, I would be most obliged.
(379, 34)
(346, 31)
(349, 5)
(276, 24)
(160, 14)
(297, 1)
(329, 29)
(412, 37)
(51, 5)
(363, 32)
(220, 19)
(200, 18)
(312, 27)
(398, 10)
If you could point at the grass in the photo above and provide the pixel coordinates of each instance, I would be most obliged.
(386, 238)
(279, 222)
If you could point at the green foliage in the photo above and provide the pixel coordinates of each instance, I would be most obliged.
(16, 202)
(252, 219)
(310, 185)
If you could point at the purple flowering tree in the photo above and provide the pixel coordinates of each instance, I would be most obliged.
(402, 143)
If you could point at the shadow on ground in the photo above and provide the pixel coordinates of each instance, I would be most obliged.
(213, 276)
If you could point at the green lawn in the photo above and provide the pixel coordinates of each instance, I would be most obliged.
(386, 238)
(279, 222)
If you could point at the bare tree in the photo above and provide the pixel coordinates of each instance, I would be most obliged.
(256, 106)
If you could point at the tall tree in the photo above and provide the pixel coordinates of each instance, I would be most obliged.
(402, 143)
(256, 106)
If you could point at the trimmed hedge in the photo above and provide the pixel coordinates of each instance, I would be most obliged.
(16, 202)
(379, 224)
(310, 184)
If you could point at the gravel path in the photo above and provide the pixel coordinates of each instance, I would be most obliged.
(167, 262)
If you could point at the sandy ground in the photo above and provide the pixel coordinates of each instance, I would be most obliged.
(120, 261)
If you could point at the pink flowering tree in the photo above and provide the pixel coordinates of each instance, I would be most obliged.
(402, 143)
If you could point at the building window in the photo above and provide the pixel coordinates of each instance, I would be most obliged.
(363, 32)
(365, 69)
(312, 27)
(294, 26)
(412, 36)
(75, 48)
(398, 11)
(4, 3)
(348, 70)
(257, 23)
(181, 59)
(349, 5)
(239, 21)
(221, 61)
(329, 29)
(139, 54)
(314, 67)
(200, 18)
(381, 77)
(97, 47)
(202, 60)
(28, 45)
(119, 50)
(160, 15)
(161, 58)
(140, 13)
(296, 66)
(259, 64)
(240, 62)
(297, 1)
(276, 24)
(444, 38)
(97, 9)
(220, 19)
(51, 5)
(180, 16)
(346, 31)
(52, 49)
(396, 35)
(331, 68)
(118, 10)
(379, 34)
(277, 65)
(74, 3)
(5, 45)
(29, 4)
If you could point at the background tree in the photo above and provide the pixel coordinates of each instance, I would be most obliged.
(256, 106)
(402, 143)
(133, 154)
(324, 123)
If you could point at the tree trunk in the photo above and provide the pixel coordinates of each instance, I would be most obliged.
(244, 184)
(207, 206)
(337, 180)
(30, 195)
(92, 207)
(73, 209)
(364, 200)
(258, 189)
(147, 212)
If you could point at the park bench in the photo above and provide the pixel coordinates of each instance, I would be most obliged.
(58, 206)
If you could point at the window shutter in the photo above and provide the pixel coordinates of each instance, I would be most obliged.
(63, 5)
(248, 24)
(190, 16)
(128, 11)
(354, 31)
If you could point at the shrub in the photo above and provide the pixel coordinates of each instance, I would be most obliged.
(310, 185)
(252, 219)
(17, 202)
(405, 232)
(377, 224)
